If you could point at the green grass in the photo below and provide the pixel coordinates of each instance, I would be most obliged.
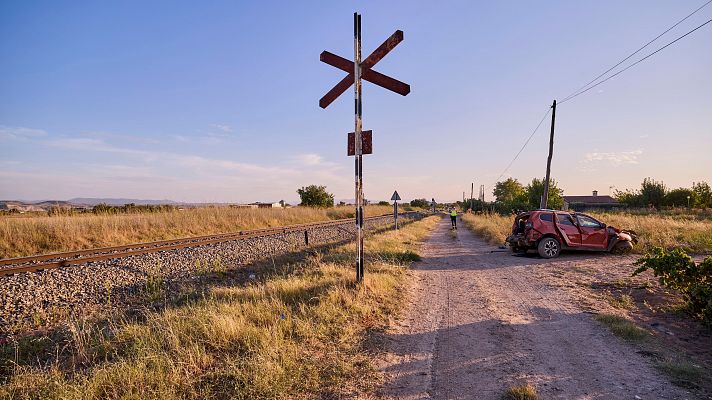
(682, 374)
(298, 331)
(521, 392)
(622, 327)
(623, 301)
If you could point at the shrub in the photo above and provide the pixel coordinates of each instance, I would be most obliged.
(315, 196)
(422, 203)
(677, 270)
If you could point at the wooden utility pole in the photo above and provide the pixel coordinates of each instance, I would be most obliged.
(545, 196)
(472, 196)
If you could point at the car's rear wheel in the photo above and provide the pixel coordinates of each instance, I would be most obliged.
(549, 247)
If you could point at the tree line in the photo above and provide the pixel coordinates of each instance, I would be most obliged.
(654, 193)
(512, 196)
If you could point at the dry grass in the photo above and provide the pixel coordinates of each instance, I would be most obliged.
(694, 235)
(521, 392)
(298, 332)
(44, 234)
(494, 228)
(663, 230)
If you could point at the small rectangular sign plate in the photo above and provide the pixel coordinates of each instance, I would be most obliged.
(366, 143)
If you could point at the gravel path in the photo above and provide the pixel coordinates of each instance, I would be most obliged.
(480, 322)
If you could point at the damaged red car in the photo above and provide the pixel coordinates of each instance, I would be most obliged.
(550, 231)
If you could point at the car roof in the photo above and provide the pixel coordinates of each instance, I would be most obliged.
(542, 210)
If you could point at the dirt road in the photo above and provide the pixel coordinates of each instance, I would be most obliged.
(480, 322)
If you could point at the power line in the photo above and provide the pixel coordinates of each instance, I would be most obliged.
(525, 144)
(634, 64)
(636, 52)
(585, 88)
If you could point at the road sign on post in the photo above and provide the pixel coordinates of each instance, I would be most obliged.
(356, 70)
(395, 199)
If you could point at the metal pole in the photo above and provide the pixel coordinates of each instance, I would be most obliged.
(395, 212)
(545, 196)
(359, 150)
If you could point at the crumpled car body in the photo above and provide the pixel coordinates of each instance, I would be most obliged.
(551, 231)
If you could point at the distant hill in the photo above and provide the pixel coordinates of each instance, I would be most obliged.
(117, 202)
(25, 206)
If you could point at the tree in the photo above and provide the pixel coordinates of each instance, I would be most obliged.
(383, 203)
(679, 198)
(315, 196)
(703, 194)
(652, 192)
(422, 203)
(535, 190)
(509, 191)
(629, 197)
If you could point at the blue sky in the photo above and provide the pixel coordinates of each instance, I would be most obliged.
(218, 101)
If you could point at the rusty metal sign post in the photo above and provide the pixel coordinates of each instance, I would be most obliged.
(395, 199)
(356, 71)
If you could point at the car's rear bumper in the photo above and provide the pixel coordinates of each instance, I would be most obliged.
(518, 241)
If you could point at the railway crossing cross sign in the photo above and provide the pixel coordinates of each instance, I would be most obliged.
(358, 70)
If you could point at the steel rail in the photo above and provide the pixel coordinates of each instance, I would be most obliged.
(17, 265)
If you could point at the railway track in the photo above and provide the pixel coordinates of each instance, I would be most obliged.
(10, 266)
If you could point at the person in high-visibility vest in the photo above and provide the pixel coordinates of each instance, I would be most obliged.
(453, 218)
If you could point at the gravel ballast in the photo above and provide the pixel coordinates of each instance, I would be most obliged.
(50, 297)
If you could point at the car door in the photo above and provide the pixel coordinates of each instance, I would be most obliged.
(593, 233)
(568, 227)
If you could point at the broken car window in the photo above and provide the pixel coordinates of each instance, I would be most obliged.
(565, 219)
(588, 222)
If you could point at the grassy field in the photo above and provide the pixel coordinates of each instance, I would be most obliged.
(299, 331)
(692, 234)
(47, 234)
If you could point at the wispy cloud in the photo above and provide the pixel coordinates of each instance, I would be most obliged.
(120, 137)
(150, 171)
(613, 158)
(93, 145)
(309, 159)
(18, 132)
(222, 127)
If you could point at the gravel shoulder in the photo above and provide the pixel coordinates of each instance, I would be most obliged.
(479, 322)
